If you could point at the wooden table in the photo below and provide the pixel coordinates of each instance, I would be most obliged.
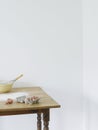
(42, 108)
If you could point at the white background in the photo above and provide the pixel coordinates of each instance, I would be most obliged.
(43, 40)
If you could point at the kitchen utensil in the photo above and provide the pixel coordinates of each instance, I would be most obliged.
(6, 86)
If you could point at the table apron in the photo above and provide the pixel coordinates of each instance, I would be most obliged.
(20, 112)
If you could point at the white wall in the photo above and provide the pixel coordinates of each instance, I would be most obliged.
(43, 40)
(90, 31)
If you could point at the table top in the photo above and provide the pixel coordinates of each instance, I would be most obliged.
(45, 101)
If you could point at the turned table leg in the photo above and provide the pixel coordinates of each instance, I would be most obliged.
(38, 121)
(46, 119)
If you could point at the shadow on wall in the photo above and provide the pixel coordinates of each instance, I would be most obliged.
(69, 116)
(91, 113)
(23, 84)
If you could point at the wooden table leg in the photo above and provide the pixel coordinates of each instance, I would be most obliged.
(46, 119)
(38, 121)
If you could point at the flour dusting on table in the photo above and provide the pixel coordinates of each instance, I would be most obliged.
(5, 96)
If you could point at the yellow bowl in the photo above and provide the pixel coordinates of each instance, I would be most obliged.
(5, 87)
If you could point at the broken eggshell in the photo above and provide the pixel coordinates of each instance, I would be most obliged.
(9, 101)
(21, 99)
(28, 100)
(32, 100)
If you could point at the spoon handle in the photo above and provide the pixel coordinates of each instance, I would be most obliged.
(18, 77)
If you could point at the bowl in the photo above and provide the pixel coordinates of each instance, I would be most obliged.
(5, 87)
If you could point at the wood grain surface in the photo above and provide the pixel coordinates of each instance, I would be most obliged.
(45, 102)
